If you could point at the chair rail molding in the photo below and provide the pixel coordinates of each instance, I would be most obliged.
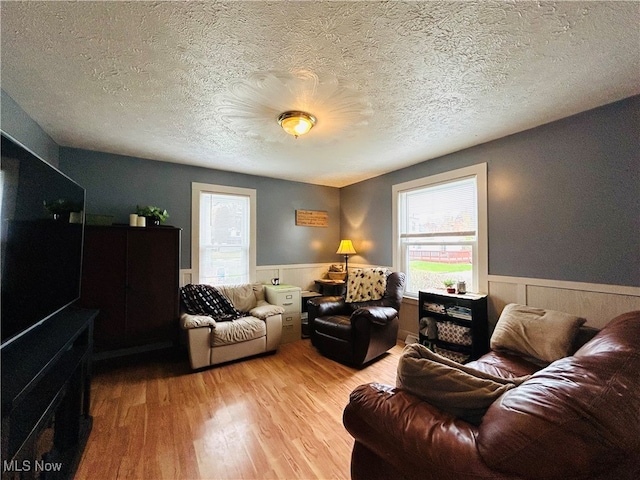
(598, 303)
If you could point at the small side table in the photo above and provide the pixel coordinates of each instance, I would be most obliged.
(306, 295)
(331, 287)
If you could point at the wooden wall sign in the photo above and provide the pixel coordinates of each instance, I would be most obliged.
(312, 218)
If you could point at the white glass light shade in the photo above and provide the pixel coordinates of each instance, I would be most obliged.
(296, 123)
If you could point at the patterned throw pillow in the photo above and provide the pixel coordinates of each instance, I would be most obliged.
(208, 300)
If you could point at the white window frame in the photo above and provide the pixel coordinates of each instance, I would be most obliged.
(196, 190)
(481, 251)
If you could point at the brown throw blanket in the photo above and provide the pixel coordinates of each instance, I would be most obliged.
(452, 387)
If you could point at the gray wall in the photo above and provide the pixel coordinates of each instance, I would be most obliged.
(116, 184)
(19, 126)
(563, 199)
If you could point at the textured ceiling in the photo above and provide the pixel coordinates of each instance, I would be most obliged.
(391, 83)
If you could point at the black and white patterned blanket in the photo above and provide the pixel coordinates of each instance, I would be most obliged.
(208, 300)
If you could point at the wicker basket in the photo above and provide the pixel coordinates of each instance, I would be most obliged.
(337, 275)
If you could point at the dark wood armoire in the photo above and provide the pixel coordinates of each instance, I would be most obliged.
(131, 274)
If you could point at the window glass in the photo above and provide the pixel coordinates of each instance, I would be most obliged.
(224, 253)
(438, 236)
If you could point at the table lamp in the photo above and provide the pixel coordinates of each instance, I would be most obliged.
(346, 249)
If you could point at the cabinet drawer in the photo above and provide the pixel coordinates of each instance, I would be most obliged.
(288, 298)
(290, 301)
(291, 318)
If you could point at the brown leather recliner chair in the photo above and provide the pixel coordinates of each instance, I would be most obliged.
(356, 333)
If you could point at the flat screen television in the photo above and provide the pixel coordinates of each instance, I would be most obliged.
(41, 240)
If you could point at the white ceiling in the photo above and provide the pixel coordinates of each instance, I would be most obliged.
(392, 83)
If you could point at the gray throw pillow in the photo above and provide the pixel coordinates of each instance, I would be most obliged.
(547, 335)
(451, 387)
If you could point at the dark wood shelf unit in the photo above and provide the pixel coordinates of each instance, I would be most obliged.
(46, 382)
(131, 274)
(471, 306)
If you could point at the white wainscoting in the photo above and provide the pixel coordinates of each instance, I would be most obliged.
(598, 303)
(408, 318)
(300, 275)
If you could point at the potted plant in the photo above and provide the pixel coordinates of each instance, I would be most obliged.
(61, 208)
(155, 215)
(449, 284)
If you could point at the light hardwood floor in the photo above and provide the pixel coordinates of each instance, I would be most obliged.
(277, 416)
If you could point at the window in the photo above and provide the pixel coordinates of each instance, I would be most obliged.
(223, 234)
(440, 230)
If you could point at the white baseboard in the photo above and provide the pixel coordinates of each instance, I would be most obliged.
(411, 338)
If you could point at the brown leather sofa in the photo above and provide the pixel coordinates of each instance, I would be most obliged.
(577, 418)
(356, 333)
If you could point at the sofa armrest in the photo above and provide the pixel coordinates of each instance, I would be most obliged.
(199, 347)
(264, 310)
(274, 332)
(188, 321)
(379, 315)
(413, 436)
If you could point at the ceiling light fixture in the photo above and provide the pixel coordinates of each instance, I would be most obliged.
(296, 123)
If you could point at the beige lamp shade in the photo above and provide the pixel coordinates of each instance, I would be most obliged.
(346, 248)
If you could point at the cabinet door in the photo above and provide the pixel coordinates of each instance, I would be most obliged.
(152, 285)
(103, 284)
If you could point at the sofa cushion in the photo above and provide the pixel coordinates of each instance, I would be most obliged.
(379, 315)
(547, 335)
(453, 388)
(506, 365)
(238, 330)
(336, 326)
(620, 334)
(243, 297)
(587, 404)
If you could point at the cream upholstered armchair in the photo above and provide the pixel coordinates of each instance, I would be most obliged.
(228, 322)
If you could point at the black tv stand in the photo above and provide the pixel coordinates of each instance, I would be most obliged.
(46, 380)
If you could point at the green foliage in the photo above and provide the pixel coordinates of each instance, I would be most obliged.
(436, 267)
(61, 206)
(153, 212)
